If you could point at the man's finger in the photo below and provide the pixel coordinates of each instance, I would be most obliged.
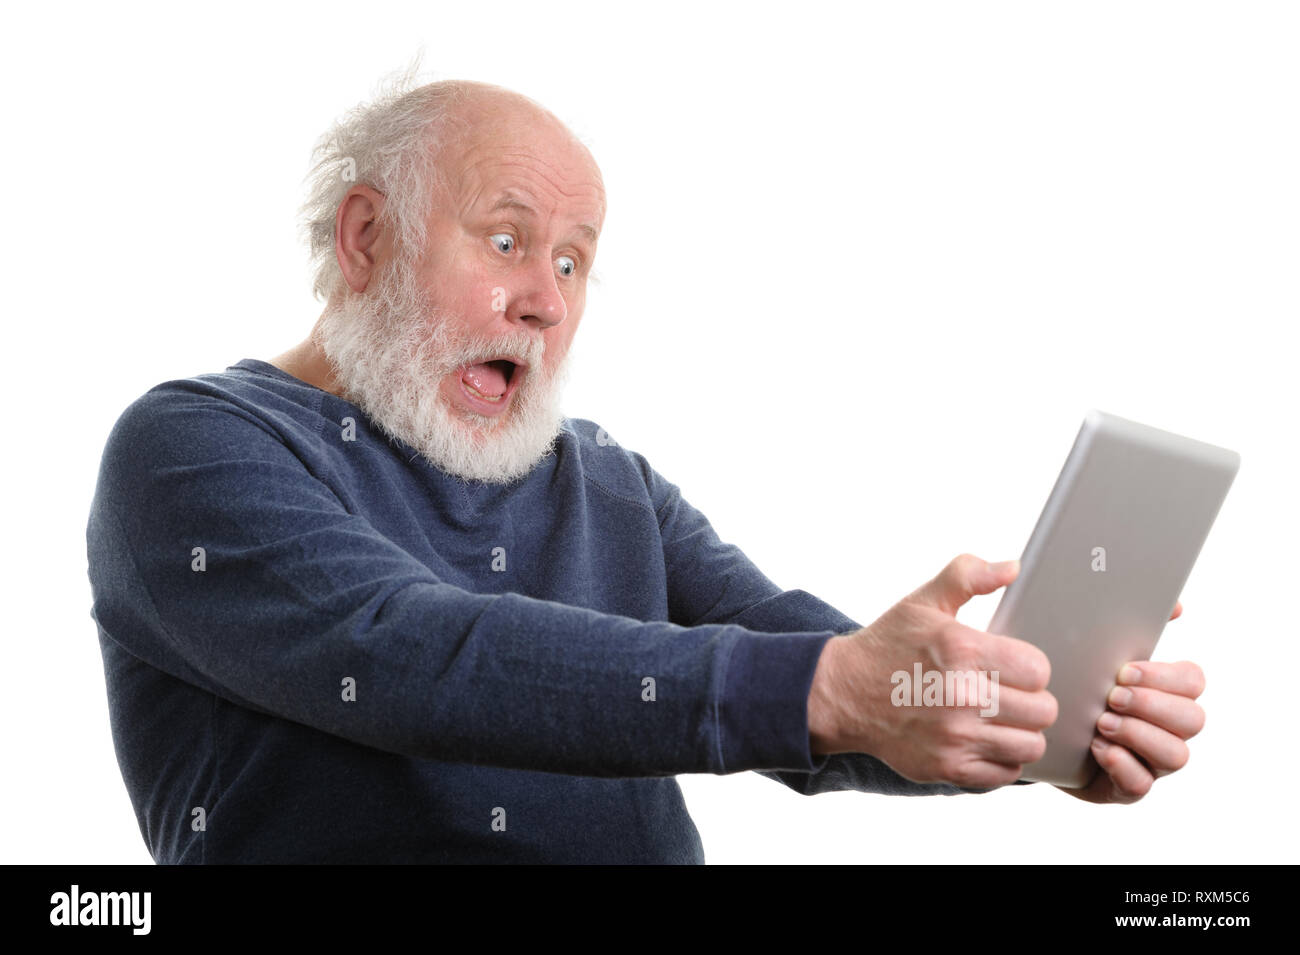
(1128, 777)
(1024, 709)
(1161, 750)
(965, 576)
(1184, 677)
(1017, 662)
(1178, 714)
(1009, 746)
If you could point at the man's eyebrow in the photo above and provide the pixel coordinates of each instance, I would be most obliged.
(508, 200)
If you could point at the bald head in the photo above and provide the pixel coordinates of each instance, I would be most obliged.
(482, 116)
(486, 102)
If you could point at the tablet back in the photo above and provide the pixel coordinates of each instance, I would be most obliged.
(1104, 568)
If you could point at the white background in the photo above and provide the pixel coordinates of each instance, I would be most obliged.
(866, 266)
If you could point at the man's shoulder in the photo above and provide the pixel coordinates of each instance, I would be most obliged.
(607, 463)
(203, 413)
(249, 390)
(250, 384)
(589, 434)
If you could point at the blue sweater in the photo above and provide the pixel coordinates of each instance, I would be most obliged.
(318, 648)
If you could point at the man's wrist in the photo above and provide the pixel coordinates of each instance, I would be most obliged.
(824, 700)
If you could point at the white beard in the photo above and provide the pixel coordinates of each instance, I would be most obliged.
(390, 349)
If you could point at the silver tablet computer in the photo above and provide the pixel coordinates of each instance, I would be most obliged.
(1104, 568)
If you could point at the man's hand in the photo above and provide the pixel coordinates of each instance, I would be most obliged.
(850, 707)
(1152, 712)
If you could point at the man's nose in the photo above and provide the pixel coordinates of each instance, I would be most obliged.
(541, 303)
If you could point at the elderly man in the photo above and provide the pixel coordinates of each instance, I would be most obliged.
(378, 600)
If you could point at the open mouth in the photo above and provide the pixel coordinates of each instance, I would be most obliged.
(492, 382)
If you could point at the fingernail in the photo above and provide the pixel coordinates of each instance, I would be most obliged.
(1108, 723)
(1130, 674)
(1002, 566)
(1100, 745)
(1120, 697)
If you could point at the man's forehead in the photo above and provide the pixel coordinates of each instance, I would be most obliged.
(530, 182)
(508, 142)
(519, 199)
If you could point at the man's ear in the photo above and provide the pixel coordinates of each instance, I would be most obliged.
(359, 239)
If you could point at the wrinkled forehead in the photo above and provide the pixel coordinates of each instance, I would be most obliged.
(524, 153)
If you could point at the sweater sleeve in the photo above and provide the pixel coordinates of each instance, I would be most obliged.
(710, 580)
(219, 558)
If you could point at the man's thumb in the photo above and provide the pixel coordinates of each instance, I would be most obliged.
(965, 576)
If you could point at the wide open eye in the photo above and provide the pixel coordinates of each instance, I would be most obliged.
(566, 265)
(504, 242)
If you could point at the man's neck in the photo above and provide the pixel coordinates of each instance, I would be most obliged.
(306, 362)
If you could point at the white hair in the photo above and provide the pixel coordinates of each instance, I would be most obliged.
(391, 145)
